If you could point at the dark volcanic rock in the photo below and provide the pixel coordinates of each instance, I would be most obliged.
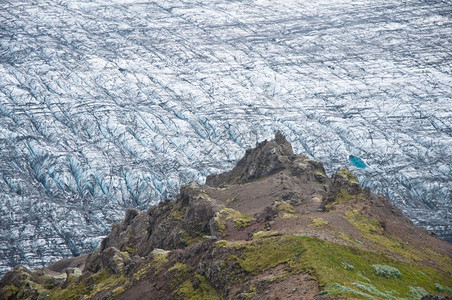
(269, 157)
(110, 258)
(170, 225)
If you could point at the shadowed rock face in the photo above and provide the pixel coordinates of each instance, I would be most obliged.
(170, 225)
(268, 228)
(266, 159)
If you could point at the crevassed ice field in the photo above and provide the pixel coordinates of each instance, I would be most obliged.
(106, 105)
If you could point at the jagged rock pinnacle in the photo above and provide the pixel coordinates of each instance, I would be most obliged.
(267, 158)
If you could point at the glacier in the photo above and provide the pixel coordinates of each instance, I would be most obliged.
(106, 105)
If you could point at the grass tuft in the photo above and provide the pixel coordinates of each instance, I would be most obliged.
(346, 174)
(196, 288)
(239, 219)
(265, 234)
(439, 287)
(386, 271)
(318, 222)
(284, 206)
(416, 292)
(347, 266)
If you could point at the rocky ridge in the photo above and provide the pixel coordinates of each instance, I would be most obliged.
(274, 227)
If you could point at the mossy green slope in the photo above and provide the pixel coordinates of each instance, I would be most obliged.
(326, 262)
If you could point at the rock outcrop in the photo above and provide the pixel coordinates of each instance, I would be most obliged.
(274, 227)
(267, 158)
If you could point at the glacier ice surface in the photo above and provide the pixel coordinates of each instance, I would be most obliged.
(106, 105)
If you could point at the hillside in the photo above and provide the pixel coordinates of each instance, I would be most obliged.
(274, 227)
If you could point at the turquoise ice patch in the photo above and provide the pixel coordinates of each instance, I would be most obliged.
(357, 162)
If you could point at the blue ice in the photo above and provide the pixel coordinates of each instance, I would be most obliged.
(357, 162)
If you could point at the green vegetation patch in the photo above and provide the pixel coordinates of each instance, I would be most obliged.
(189, 284)
(221, 243)
(363, 223)
(180, 268)
(285, 215)
(119, 290)
(224, 243)
(159, 259)
(231, 200)
(325, 259)
(239, 219)
(268, 253)
(347, 238)
(347, 266)
(416, 292)
(143, 271)
(328, 262)
(318, 222)
(90, 287)
(394, 244)
(26, 288)
(130, 250)
(372, 230)
(339, 289)
(346, 174)
(160, 255)
(11, 291)
(285, 210)
(176, 214)
(422, 273)
(342, 197)
(319, 176)
(284, 206)
(386, 271)
(265, 234)
(190, 238)
(197, 288)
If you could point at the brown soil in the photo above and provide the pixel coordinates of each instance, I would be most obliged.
(305, 196)
(275, 284)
